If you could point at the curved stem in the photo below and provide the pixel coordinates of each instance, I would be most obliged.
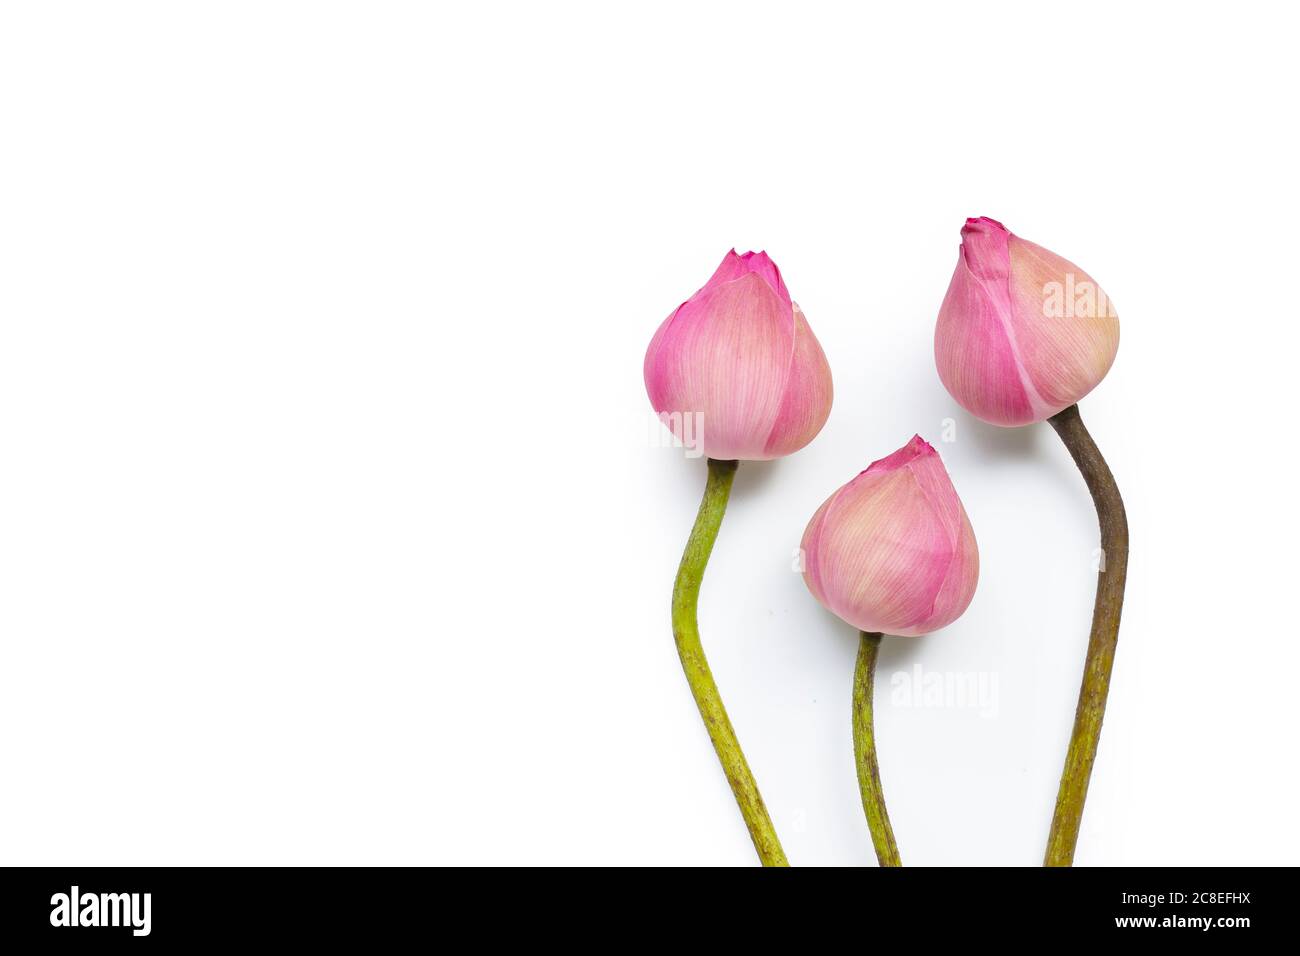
(864, 752)
(1101, 643)
(686, 632)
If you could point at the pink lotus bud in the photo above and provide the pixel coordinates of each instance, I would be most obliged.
(893, 551)
(736, 367)
(1022, 332)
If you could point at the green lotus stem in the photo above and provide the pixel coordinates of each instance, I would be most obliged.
(686, 631)
(864, 752)
(1100, 659)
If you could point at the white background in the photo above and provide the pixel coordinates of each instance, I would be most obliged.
(332, 529)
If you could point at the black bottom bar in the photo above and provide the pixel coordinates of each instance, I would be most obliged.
(618, 907)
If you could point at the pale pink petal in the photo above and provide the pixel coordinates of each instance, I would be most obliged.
(885, 555)
(806, 403)
(811, 548)
(892, 551)
(958, 586)
(1065, 326)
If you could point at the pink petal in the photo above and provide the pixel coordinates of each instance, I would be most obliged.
(998, 349)
(757, 263)
(806, 403)
(740, 359)
(973, 346)
(725, 355)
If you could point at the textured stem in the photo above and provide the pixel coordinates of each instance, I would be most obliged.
(686, 631)
(1101, 643)
(864, 752)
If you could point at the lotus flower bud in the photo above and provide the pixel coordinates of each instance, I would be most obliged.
(736, 369)
(893, 551)
(1022, 333)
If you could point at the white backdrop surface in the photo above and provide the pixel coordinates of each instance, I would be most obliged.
(332, 528)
